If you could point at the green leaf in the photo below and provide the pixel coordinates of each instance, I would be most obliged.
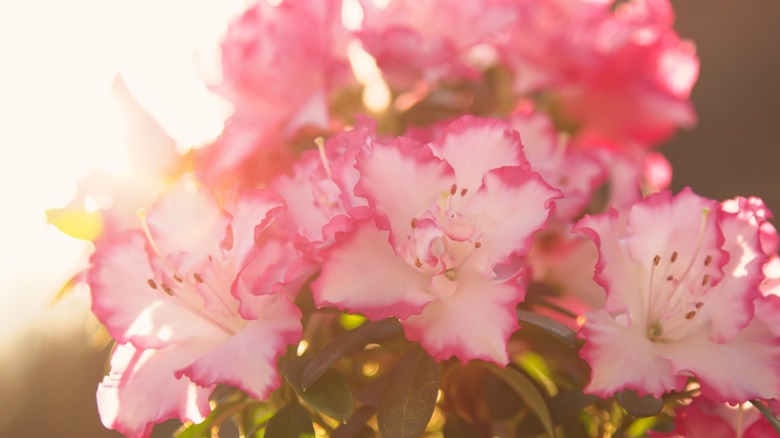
(215, 418)
(767, 413)
(637, 406)
(530, 394)
(330, 394)
(292, 421)
(550, 326)
(356, 424)
(359, 336)
(409, 396)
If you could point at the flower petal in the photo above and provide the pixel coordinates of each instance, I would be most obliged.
(141, 390)
(133, 308)
(247, 360)
(474, 323)
(474, 146)
(362, 273)
(622, 357)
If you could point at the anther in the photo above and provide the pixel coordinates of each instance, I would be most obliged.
(177, 278)
(450, 274)
(463, 192)
(197, 277)
(699, 305)
(167, 289)
(690, 314)
(707, 260)
(670, 278)
(674, 256)
(211, 259)
(453, 189)
(418, 263)
(151, 283)
(705, 280)
(477, 244)
(414, 222)
(656, 260)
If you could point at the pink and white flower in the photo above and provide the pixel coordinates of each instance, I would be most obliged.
(193, 300)
(682, 278)
(428, 42)
(616, 78)
(280, 65)
(436, 245)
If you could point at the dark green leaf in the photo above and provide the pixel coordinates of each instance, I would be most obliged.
(292, 421)
(409, 396)
(637, 406)
(550, 326)
(330, 394)
(767, 413)
(359, 336)
(356, 423)
(215, 418)
(456, 427)
(530, 394)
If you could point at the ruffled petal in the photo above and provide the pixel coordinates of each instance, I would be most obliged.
(187, 220)
(510, 207)
(474, 146)
(141, 390)
(247, 360)
(362, 273)
(622, 357)
(400, 180)
(132, 306)
(474, 323)
(745, 367)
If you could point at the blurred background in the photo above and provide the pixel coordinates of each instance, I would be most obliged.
(64, 112)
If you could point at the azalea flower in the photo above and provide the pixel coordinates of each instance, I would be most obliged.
(593, 63)
(298, 46)
(193, 299)
(682, 278)
(704, 418)
(436, 243)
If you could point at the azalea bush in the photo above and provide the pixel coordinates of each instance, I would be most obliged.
(448, 219)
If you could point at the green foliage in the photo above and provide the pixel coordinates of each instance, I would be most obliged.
(292, 421)
(329, 394)
(409, 396)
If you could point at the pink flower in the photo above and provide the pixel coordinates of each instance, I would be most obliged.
(430, 41)
(193, 301)
(574, 172)
(280, 65)
(616, 78)
(706, 419)
(436, 245)
(682, 278)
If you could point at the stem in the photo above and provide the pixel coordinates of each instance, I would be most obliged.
(767, 414)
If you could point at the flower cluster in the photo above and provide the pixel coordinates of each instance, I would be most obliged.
(502, 222)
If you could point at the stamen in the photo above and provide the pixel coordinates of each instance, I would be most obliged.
(414, 222)
(167, 289)
(656, 260)
(705, 280)
(670, 278)
(699, 305)
(690, 314)
(707, 260)
(450, 274)
(320, 142)
(674, 256)
(197, 277)
(463, 192)
(151, 283)
(177, 278)
(699, 242)
(453, 189)
(418, 263)
(477, 244)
